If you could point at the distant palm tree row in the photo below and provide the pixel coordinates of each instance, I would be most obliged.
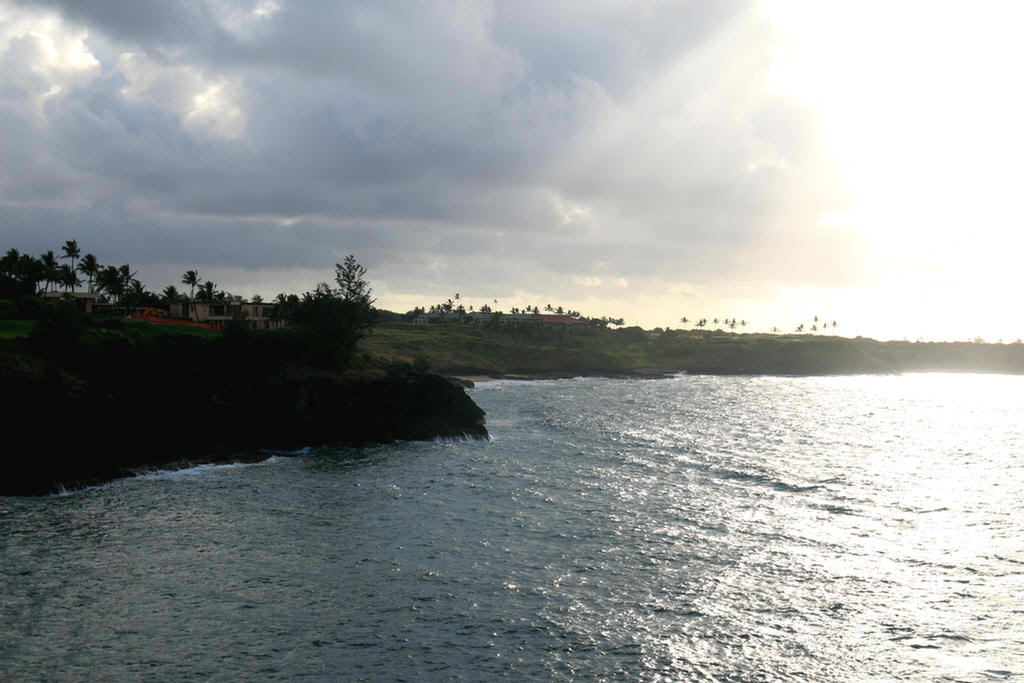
(704, 322)
(22, 274)
(815, 326)
(454, 309)
(25, 274)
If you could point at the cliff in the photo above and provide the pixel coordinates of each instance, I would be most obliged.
(86, 419)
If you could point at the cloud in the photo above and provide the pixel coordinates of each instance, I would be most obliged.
(449, 144)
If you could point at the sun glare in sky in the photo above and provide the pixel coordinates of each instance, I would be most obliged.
(770, 161)
(920, 105)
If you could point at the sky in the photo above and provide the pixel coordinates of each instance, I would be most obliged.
(767, 160)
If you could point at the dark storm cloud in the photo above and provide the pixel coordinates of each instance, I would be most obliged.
(551, 140)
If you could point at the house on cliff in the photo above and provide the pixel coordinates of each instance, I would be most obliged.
(219, 313)
(85, 302)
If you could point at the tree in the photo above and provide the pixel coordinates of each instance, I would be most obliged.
(89, 267)
(31, 272)
(9, 273)
(109, 280)
(352, 285)
(50, 270)
(207, 292)
(190, 278)
(20, 274)
(136, 294)
(171, 295)
(71, 251)
(68, 279)
(117, 282)
(334, 320)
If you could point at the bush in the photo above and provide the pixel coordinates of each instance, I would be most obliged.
(8, 310)
(31, 307)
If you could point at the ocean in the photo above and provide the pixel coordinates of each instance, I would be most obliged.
(692, 528)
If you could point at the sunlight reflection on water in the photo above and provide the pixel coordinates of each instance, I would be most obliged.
(843, 528)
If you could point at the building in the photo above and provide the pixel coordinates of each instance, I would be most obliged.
(219, 313)
(85, 302)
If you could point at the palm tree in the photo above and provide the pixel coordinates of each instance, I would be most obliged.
(68, 279)
(9, 271)
(116, 281)
(207, 292)
(191, 278)
(109, 280)
(89, 267)
(72, 252)
(50, 270)
(31, 272)
(170, 295)
(136, 292)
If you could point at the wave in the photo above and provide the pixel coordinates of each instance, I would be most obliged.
(176, 472)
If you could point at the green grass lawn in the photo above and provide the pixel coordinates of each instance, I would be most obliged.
(9, 329)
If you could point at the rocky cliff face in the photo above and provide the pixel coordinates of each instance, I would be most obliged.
(65, 431)
(298, 409)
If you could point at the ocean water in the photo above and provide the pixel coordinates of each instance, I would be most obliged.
(696, 528)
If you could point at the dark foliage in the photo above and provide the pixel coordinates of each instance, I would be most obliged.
(116, 401)
(332, 320)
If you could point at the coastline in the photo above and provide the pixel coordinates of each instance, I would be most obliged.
(476, 353)
(70, 430)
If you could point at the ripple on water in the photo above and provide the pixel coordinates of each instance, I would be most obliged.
(697, 528)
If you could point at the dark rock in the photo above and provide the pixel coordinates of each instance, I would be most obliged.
(65, 432)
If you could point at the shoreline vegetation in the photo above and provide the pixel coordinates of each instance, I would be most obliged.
(94, 396)
(477, 353)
